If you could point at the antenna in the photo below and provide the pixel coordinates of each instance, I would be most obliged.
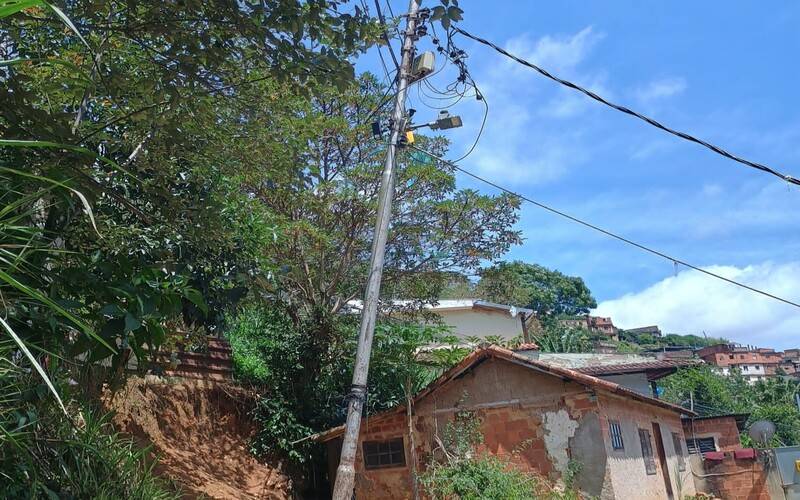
(761, 432)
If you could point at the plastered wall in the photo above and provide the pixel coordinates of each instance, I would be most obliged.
(627, 468)
(482, 323)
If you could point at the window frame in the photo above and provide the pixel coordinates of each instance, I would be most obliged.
(693, 445)
(648, 455)
(677, 443)
(383, 448)
(615, 432)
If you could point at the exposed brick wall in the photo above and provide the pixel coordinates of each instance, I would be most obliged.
(722, 428)
(537, 421)
(741, 479)
(394, 482)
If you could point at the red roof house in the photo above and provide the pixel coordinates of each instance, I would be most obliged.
(541, 416)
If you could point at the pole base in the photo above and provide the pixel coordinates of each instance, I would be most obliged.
(344, 488)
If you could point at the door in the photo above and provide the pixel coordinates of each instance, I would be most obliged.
(662, 459)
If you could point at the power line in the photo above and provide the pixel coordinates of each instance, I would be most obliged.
(385, 36)
(607, 232)
(628, 111)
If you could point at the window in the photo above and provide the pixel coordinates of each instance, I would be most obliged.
(744, 368)
(678, 445)
(731, 356)
(701, 445)
(616, 435)
(647, 451)
(382, 454)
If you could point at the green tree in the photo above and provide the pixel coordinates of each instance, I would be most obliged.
(555, 337)
(116, 216)
(325, 199)
(113, 117)
(715, 394)
(546, 291)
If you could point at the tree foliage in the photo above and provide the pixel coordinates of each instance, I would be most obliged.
(556, 337)
(715, 394)
(546, 291)
(302, 395)
(325, 202)
(119, 222)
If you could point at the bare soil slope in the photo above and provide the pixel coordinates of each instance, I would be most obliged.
(199, 429)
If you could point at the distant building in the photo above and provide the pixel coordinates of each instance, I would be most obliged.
(672, 352)
(753, 363)
(593, 324)
(469, 317)
(653, 330)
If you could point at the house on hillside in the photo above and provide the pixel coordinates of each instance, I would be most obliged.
(470, 317)
(753, 363)
(594, 324)
(541, 415)
(653, 330)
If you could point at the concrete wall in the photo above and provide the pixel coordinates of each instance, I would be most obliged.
(628, 475)
(635, 381)
(482, 323)
(527, 417)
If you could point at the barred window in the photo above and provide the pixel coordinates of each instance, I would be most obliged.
(616, 435)
(647, 451)
(678, 444)
(701, 445)
(383, 454)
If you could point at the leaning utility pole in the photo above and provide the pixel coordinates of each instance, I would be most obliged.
(345, 474)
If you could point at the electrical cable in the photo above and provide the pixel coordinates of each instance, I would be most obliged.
(385, 35)
(607, 232)
(483, 122)
(764, 168)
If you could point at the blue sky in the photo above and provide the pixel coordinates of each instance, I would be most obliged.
(728, 75)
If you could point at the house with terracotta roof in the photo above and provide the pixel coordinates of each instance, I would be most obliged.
(545, 414)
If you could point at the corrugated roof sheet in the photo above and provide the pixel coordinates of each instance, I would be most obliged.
(656, 364)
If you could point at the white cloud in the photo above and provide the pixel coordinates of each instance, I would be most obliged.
(692, 302)
(521, 143)
(555, 53)
(660, 89)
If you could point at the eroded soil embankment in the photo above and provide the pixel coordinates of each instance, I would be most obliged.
(199, 429)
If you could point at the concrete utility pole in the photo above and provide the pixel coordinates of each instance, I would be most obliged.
(345, 474)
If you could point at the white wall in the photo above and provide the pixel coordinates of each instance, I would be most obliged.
(482, 323)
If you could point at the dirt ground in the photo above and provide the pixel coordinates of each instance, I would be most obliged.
(199, 429)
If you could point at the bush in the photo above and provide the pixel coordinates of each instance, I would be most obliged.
(462, 472)
(481, 477)
(266, 346)
(43, 454)
(279, 430)
(304, 383)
